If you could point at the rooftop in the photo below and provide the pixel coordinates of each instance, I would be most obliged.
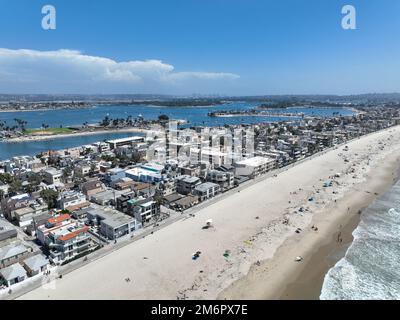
(12, 272)
(12, 250)
(123, 140)
(188, 179)
(36, 262)
(206, 186)
(113, 218)
(255, 161)
(59, 219)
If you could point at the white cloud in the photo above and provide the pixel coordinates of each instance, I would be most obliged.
(72, 71)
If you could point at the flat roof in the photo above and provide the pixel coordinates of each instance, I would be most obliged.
(189, 179)
(143, 171)
(36, 262)
(255, 161)
(12, 272)
(128, 139)
(12, 250)
(113, 218)
(205, 186)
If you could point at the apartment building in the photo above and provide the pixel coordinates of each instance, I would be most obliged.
(186, 184)
(254, 166)
(64, 238)
(52, 175)
(206, 190)
(112, 223)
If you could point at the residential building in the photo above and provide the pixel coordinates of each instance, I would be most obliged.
(150, 173)
(125, 141)
(72, 200)
(13, 253)
(144, 210)
(112, 223)
(122, 202)
(254, 166)
(35, 264)
(24, 216)
(8, 233)
(12, 274)
(64, 238)
(52, 175)
(224, 179)
(186, 184)
(107, 197)
(113, 175)
(206, 190)
(93, 187)
(123, 184)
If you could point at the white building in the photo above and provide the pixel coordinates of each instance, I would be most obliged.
(65, 238)
(255, 166)
(125, 141)
(13, 274)
(52, 176)
(113, 224)
(146, 173)
(72, 200)
(206, 190)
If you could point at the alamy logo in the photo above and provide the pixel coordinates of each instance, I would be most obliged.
(49, 20)
(349, 20)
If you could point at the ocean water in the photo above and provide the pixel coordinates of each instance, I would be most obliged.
(196, 116)
(371, 266)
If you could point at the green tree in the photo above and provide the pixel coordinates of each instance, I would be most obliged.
(66, 173)
(15, 187)
(6, 178)
(163, 117)
(50, 197)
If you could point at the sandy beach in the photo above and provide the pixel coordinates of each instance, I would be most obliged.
(74, 134)
(256, 226)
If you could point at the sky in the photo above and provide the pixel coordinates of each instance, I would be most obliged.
(184, 47)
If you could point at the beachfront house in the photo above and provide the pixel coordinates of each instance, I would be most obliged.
(185, 184)
(112, 223)
(64, 238)
(144, 210)
(52, 175)
(255, 166)
(224, 179)
(36, 264)
(206, 190)
(12, 275)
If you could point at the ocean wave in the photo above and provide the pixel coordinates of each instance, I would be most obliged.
(371, 266)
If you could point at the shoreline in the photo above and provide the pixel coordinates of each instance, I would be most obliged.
(67, 135)
(304, 280)
(44, 109)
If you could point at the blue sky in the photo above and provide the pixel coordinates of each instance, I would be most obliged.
(235, 47)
